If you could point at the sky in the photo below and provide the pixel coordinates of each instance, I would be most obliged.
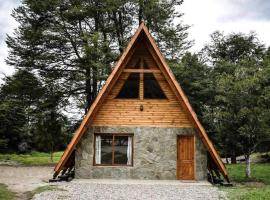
(204, 16)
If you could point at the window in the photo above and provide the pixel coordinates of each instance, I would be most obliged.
(152, 89)
(130, 89)
(144, 64)
(141, 83)
(136, 66)
(113, 149)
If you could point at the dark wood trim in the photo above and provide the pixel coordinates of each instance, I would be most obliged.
(112, 134)
(113, 150)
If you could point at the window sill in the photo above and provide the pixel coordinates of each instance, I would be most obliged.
(114, 166)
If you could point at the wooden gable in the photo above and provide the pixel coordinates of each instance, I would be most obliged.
(142, 41)
(166, 112)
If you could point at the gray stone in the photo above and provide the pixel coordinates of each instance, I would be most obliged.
(155, 154)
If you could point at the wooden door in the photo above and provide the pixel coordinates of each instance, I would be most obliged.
(185, 157)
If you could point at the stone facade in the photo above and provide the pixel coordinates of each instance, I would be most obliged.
(155, 154)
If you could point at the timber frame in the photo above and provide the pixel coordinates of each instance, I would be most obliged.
(65, 160)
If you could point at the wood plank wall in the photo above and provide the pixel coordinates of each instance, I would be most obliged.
(156, 113)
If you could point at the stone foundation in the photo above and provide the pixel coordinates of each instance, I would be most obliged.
(155, 154)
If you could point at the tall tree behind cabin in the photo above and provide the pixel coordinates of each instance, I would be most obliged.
(75, 43)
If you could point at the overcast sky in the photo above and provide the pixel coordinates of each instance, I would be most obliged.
(205, 16)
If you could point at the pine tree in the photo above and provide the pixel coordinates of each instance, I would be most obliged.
(20, 97)
(75, 43)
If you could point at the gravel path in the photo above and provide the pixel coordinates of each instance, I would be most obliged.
(22, 179)
(133, 190)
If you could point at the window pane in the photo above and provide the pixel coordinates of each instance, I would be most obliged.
(145, 66)
(130, 89)
(106, 149)
(136, 66)
(152, 89)
(120, 150)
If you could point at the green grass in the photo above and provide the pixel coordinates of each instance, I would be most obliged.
(6, 194)
(248, 193)
(259, 172)
(34, 158)
(255, 188)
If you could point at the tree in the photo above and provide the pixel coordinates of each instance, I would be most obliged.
(233, 48)
(12, 126)
(74, 43)
(20, 97)
(192, 73)
(52, 129)
(238, 114)
(30, 115)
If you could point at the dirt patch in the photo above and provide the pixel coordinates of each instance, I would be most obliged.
(22, 179)
(9, 163)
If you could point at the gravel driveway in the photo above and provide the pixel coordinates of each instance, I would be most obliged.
(22, 179)
(132, 189)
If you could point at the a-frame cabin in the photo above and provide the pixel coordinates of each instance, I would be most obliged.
(141, 125)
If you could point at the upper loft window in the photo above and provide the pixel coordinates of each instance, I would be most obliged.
(140, 64)
(144, 64)
(141, 83)
(130, 89)
(136, 66)
(152, 88)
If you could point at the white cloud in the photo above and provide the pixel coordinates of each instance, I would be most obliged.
(226, 15)
(7, 24)
(249, 9)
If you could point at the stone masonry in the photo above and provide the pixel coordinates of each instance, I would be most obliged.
(155, 154)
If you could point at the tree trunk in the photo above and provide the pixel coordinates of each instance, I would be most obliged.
(88, 89)
(233, 159)
(91, 73)
(54, 133)
(94, 83)
(118, 26)
(140, 17)
(51, 156)
(248, 170)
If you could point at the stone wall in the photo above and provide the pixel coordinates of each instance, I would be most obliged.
(155, 154)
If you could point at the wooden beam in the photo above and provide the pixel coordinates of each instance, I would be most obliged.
(142, 70)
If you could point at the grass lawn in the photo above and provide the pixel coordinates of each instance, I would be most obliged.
(34, 158)
(6, 194)
(255, 188)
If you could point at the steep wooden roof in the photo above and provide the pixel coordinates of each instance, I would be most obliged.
(142, 31)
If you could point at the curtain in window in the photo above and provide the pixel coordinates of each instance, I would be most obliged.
(98, 150)
(129, 151)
